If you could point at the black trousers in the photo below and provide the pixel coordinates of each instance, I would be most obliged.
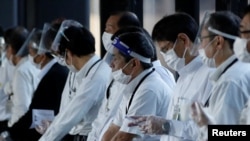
(69, 137)
(3, 125)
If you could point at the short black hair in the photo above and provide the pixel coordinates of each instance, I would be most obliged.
(246, 10)
(226, 22)
(138, 43)
(51, 34)
(16, 36)
(80, 41)
(127, 18)
(170, 26)
(130, 29)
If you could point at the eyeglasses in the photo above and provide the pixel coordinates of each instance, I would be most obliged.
(244, 32)
(200, 39)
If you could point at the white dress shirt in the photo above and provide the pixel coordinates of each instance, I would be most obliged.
(24, 84)
(230, 92)
(151, 98)
(165, 74)
(107, 111)
(82, 107)
(194, 85)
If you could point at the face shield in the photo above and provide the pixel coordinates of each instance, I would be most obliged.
(123, 48)
(31, 43)
(60, 34)
(206, 31)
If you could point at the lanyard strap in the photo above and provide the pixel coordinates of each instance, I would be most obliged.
(108, 89)
(234, 61)
(92, 67)
(137, 86)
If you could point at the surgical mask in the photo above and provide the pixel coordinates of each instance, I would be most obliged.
(121, 77)
(71, 67)
(106, 40)
(240, 49)
(172, 60)
(60, 60)
(10, 62)
(31, 59)
(210, 62)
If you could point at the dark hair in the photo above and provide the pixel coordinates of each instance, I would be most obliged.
(127, 18)
(81, 41)
(224, 21)
(170, 26)
(1, 31)
(130, 29)
(16, 36)
(138, 43)
(246, 10)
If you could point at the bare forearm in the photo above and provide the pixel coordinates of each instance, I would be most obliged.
(110, 133)
(123, 136)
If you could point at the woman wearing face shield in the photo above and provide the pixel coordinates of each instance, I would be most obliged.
(132, 53)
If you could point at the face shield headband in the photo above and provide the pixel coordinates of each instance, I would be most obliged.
(127, 51)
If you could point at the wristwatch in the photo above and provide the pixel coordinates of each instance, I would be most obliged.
(166, 127)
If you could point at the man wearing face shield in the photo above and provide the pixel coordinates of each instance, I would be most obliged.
(47, 96)
(242, 52)
(175, 35)
(113, 95)
(25, 76)
(132, 61)
(77, 45)
(231, 90)
(6, 72)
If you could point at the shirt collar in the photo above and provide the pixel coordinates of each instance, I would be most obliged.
(218, 72)
(46, 68)
(83, 71)
(131, 85)
(24, 59)
(156, 63)
(190, 67)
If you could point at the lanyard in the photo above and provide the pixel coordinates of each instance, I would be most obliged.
(137, 86)
(72, 87)
(108, 89)
(234, 61)
(92, 67)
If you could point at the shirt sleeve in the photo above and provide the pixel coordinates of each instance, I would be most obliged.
(144, 103)
(85, 98)
(23, 90)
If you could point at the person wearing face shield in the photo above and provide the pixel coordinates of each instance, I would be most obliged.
(6, 72)
(132, 53)
(113, 95)
(77, 45)
(230, 92)
(25, 78)
(47, 96)
(175, 35)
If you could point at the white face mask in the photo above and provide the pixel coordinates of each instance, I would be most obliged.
(210, 62)
(172, 60)
(10, 62)
(60, 61)
(240, 49)
(121, 77)
(31, 59)
(106, 40)
(71, 67)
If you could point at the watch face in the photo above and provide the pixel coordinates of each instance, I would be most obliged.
(166, 127)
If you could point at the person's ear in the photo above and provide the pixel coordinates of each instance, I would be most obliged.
(219, 42)
(185, 39)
